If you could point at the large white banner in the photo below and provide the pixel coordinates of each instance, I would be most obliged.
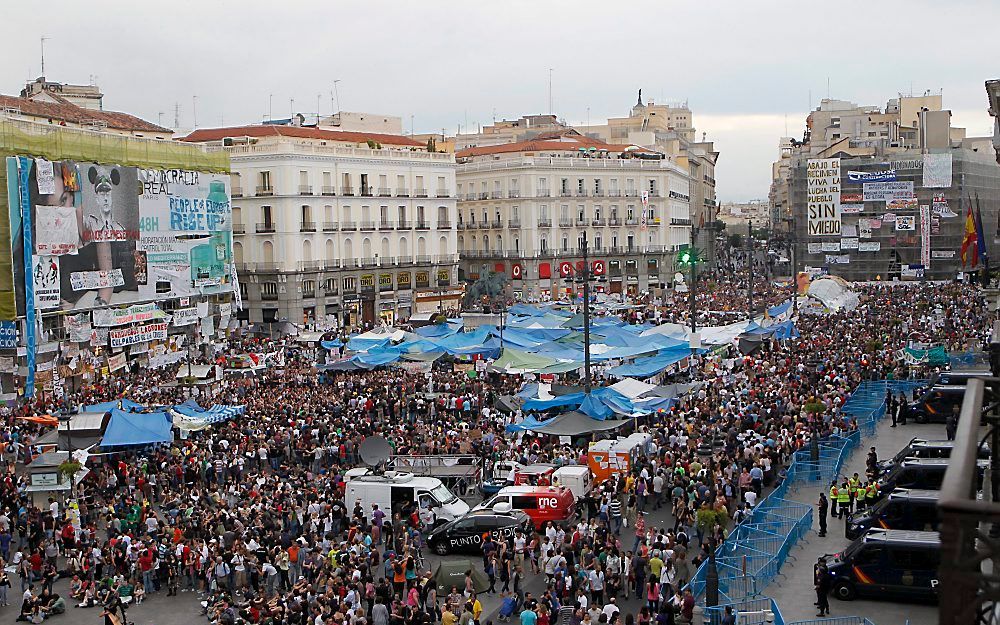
(137, 334)
(887, 191)
(45, 270)
(56, 230)
(823, 196)
(110, 317)
(937, 171)
(185, 317)
(925, 231)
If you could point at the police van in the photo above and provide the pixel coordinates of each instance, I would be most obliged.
(937, 403)
(888, 563)
(920, 473)
(903, 509)
(393, 492)
(924, 448)
(466, 535)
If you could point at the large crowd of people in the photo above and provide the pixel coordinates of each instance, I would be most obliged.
(249, 514)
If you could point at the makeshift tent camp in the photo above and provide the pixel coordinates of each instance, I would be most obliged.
(452, 573)
(127, 429)
(571, 423)
(835, 293)
(122, 404)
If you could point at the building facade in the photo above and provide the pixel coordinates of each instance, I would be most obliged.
(909, 149)
(736, 214)
(339, 228)
(524, 207)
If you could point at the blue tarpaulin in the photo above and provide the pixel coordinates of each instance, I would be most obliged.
(780, 309)
(572, 399)
(121, 404)
(129, 429)
(648, 367)
(335, 344)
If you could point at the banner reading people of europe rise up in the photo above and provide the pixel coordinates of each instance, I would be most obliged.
(823, 197)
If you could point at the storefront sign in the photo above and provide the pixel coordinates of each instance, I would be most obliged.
(403, 280)
(443, 277)
(367, 283)
(423, 279)
(385, 282)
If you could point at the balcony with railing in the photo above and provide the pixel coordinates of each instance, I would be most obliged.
(422, 259)
(483, 195)
(599, 222)
(614, 221)
(564, 193)
(269, 297)
(565, 222)
(308, 293)
(366, 191)
(581, 193)
(330, 226)
(262, 190)
(470, 196)
(582, 221)
(369, 262)
(328, 190)
(677, 222)
(347, 190)
(632, 221)
(239, 229)
(237, 191)
(266, 267)
(312, 265)
(444, 224)
(384, 192)
(404, 225)
(386, 225)
(513, 223)
(545, 222)
(484, 225)
(460, 225)
(496, 195)
(307, 226)
(402, 192)
(305, 189)
(614, 193)
(496, 223)
(265, 227)
(514, 193)
(598, 192)
(423, 225)
(348, 225)
(631, 193)
(367, 225)
(442, 193)
(420, 193)
(654, 193)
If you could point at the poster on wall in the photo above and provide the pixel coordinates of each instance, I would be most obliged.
(865, 229)
(814, 248)
(823, 196)
(869, 246)
(937, 171)
(886, 175)
(906, 222)
(121, 235)
(851, 209)
(46, 278)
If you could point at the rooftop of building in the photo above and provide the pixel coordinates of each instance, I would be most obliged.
(61, 110)
(567, 140)
(203, 135)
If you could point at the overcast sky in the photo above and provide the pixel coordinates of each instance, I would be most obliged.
(744, 67)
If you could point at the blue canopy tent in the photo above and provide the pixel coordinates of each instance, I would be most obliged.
(331, 345)
(129, 429)
(648, 367)
(120, 404)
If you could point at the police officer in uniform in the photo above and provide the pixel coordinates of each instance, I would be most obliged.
(822, 506)
(833, 498)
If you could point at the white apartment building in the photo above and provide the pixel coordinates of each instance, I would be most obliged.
(524, 207)
(339, 228)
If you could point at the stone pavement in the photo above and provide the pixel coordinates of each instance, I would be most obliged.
(793, 589)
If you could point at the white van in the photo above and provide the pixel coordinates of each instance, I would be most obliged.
(393, 491)
(575, 477)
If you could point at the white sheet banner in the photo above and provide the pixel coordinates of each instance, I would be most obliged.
(137, 334)
(56, 230)
(117, 361)
(45, 177)
(865, 229)
(45, 272)
(848, 244)
(869, 246)
(185, 317)
(831, 246)
(925, 231)
(937, 171)
(814, 248)
(887, 191)
(93, 280)
(906, 222)
(851, 209)
(823, 196)
(110, 317)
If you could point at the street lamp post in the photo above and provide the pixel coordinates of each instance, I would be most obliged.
(707, 451)
(750, 268)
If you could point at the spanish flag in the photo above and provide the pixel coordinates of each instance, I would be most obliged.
(970, 240)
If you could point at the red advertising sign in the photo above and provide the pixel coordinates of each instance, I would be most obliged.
(565, 269)
(499, 268)
(597, 267)
(544, 271)
(516, 271)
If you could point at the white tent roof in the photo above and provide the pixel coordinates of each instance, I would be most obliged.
(632, 388)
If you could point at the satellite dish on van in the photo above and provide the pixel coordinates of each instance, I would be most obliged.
(374, 451)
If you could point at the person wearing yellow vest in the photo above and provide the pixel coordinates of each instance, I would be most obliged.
(833, 499)
(844, 500)
(872, 493)
(853, 484)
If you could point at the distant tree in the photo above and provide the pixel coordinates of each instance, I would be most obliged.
(372, 144)
(431, 145)
(736, 240)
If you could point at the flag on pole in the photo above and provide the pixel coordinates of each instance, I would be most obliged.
(969, 239)
(980, 237)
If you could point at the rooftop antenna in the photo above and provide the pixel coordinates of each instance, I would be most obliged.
(550, 91)
(827, 87)
(177, 115)
(411, 125)
(336, 95)
(318, 97)
(194, 110)
(270, 106)
(291, 107)
(43, 38)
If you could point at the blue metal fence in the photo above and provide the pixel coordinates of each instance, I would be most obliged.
(753, 553)
(747, 612)
(835, 620)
